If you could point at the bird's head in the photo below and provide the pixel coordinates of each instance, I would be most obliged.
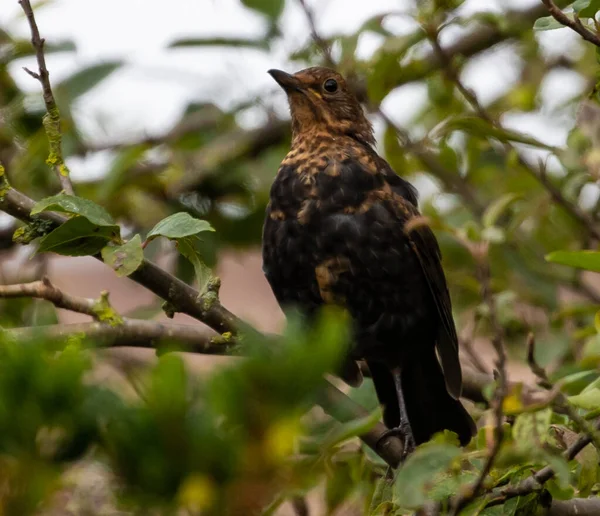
(320, 100)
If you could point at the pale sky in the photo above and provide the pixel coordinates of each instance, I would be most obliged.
(148, 94)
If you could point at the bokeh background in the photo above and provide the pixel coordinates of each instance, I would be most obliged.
(167, 107)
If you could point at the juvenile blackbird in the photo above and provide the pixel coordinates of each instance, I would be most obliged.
(338, 230)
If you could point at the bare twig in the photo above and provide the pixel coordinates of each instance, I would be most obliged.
(52, 117)
(537, 370)
(575, 507)
(466, 344)
(319, 41)
(574, 24)
(44, 289)
(130, 332)
(484, 276)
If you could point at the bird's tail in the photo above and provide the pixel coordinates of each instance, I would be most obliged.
(429, 406)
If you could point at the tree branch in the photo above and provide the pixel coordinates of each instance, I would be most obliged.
(319, 41)
(184, 298)
(575, 507)
(52, 117)
(339, 406)
(574, 24)
(44, 289)
(483, 272)
(536, 482)
(130, 332)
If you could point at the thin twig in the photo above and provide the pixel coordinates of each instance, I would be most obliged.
(484, 276)
(536, 369)
(44, 289)
(319, 41)
(574, 24)
(467, 345)
(52, 117)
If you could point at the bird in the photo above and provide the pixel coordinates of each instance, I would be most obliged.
(342, 228)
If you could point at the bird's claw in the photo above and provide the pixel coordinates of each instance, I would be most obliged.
(407, 439)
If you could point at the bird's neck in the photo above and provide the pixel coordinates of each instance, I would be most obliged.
(304, 127)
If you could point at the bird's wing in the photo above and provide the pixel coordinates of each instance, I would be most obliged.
(427, 250)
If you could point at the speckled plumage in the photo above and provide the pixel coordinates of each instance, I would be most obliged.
(336, 232)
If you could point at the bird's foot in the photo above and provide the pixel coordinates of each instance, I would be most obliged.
(407, 439)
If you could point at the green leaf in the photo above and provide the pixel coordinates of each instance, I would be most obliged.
(381, 500)
(575, 382)
(588, 260)
(588, 399)
(586, 8)
(179, 225)
(84, 80)
(497, 208)
(531, 428)
(338, 487)
(557, 492)
(220, 42)
(72, 204)
(203, 274)
(270, 8)
(493, 234)
(126, 258)
(481, 128)
(78, 237)
(547, 23)
(23, 47)
(418, 472)
(351, 429)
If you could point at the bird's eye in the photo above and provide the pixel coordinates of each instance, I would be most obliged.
(330, 85)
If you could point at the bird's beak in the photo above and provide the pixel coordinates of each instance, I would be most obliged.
(288, 82)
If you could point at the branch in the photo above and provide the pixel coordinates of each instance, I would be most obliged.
(339, 406)
(52, 117)
(44, 289)
(130, 332)
(166, 286)
(536, 482)
(484, 276)
(575, 507)
(319, 41)
(574, 24)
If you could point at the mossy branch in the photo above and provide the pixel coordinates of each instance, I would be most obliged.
(51, 119)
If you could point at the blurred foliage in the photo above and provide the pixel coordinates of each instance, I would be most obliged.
(239, 441)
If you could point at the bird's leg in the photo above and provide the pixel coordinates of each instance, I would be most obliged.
(403, 429)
